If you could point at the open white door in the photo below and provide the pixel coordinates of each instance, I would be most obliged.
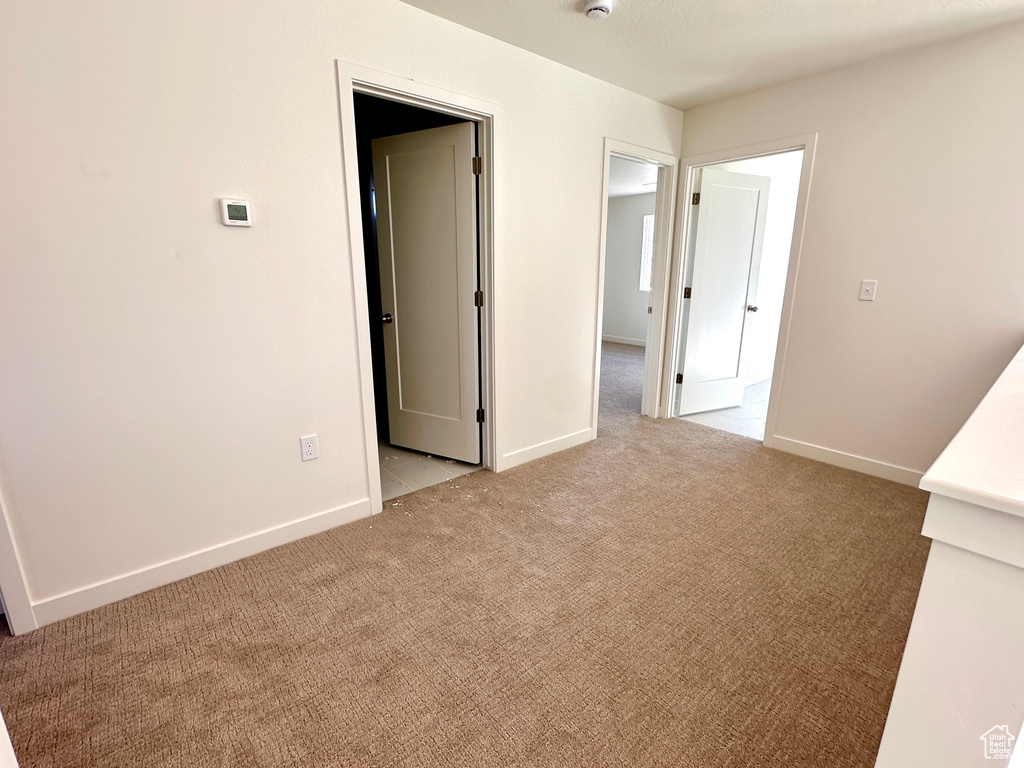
(726, 258)
(426, 234)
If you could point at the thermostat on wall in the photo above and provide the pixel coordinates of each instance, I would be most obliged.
(235, 213)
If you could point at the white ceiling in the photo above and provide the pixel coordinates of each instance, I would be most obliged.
(689, 52)
(628, 177)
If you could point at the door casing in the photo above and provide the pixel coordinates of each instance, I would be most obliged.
(664, 222)
(682, 253)
(353, 78)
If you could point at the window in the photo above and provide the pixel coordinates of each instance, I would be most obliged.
(646, 253)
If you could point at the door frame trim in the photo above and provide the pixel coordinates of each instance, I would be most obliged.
(17, 601)
(353, 78)
(664, 223)
(808, 143)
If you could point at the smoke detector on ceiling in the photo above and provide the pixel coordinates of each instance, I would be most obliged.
(598, 9)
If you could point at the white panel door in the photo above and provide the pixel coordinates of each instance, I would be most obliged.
(426, 238)
(726, 258)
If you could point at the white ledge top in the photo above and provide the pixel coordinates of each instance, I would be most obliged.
(984, 463)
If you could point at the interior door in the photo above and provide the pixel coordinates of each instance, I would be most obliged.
(426, 235)
(726, 258)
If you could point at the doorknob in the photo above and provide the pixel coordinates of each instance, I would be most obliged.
(751, 308)
(386, 318)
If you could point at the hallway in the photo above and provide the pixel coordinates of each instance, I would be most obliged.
(622, 374)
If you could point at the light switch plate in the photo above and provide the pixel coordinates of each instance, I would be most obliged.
(867, 290)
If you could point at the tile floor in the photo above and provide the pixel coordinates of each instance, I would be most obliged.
(403, 471)
(748, 419)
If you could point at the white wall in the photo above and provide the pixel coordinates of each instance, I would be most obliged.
(625, 305)
(917, 183)
(158, 367)
(762, 333)
(7, 757)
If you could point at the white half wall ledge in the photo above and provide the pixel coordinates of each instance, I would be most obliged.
(986, 531)
(845, 460)
(87, 598)
(961, 668)
(524, 455)
(957, 699)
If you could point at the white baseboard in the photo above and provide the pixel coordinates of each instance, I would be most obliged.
(523, 455)
(84, 599)
(624, 340)
(845, 460)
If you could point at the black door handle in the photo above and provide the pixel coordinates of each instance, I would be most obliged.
(386, 318)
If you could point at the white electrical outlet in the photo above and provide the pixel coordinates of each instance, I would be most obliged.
(867, 290)
(310, 450)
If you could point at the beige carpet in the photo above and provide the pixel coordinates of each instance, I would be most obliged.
(668, 595)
